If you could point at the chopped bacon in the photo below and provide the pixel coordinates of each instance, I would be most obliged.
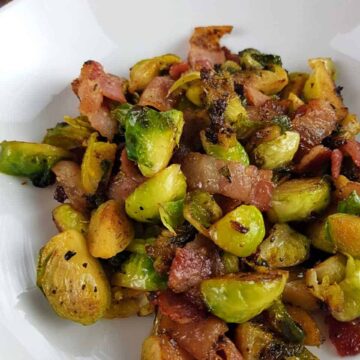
(268, 110)
(198, 260)
(345, 336)
(313, 161)
(155, 94)
(102, 122)
(226, 350)
(352, 148)
(245, 183)
(230, 55)
(176, 70)
(255, 97)
(227, 204)
(199, 338)
(336, 162)
(68, 176)
(126, 180)
(178, 308)
(314, 121)
(205, 50)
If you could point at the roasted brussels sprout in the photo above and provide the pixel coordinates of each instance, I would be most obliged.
(201, 210)
(138, 246)
(97, 164)
(30, 160)
(138, 273)
(151, 137)
(231, 262)
(239, 231)
(350, 205)
(298, 199)
(145, 70)
(349, 127)
(231, 67)
(284, 247)
(296, 102)
(278, 152)
(296, 84)
(167, 185)
(252, 59)
(227, 148)
(110, 231)
(239, 297)
(171, 214)
(66, 218)
(72, 280)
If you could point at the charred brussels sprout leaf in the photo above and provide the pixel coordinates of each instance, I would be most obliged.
(284, 247)
(151, 137)
(351, 205)
(66, 218)
(239, 231)
(138, 273)
(298, 199)
(167, 185)
(278, 152)
(201, 210)
(72, 280)
(110, 231)
(252, 59)
(31, 160)
(237, 298)
(97, 164)
(171, 214)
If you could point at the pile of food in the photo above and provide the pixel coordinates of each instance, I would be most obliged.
(221, 194)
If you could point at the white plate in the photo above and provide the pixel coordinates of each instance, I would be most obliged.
(43, 45)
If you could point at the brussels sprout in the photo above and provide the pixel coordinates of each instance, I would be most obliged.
(167, 185)
(296, 102)
(138, 272)
(295, 86)
(119, 113)
(349, 127)
(231, 263)
(195, 93)
(278, 152)
(78, 122)
(97, 164)
(239, 231)
(231, 67)
(151, 137)
(110, 231)
(252, 59)
(282, 322)
(351, 205)
(328, 63)
(320, 85)
(171, 214)
(72, 280)
(284, 247)
(30, 160)
(227, 148)
(344, 187)
(66, 218)
(201, 210)
(184, 81)
(239, 297)
(298, 199)
(318, 233)
(138, 246)
(67, 136)
(145, 70)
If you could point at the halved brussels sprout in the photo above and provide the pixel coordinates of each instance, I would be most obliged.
(171, 214)
(30, 160)
(138, 246)
(252, 59)
(110, 231)
(320, 85)
(344, 187)
(278, 152)
(284, 247)
(350, 205)
(66, 218)
(298, 199)
(195, 93)
(167, 185)
(231, 67)
(201, 210)
(97, 163)
(184, 81)
(227, 148)
(239, 297)
(231, 262)
(151, 137)
(296, 84)
(328, 63)
(138, 273)
(145, 70)
(349, 127)
(296, 102)
(239, 231)
(72, 280)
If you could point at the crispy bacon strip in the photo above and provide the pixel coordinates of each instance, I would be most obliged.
(205, 50)
(313, 161)
(336, 162)
(352, 148)
(247, 184)
(254, 96)
(268, 110)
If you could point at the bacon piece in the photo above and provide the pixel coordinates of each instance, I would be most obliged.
(176, 70)
(156, 92)
(345, 336)
(268, 110)
(336, 162)
(352, 148)
(245, 183)
(231, 56)
(102, 122)
(199, 338)
(198, 260)
(314, 122)
(205, 50)
(313, 161)
(126, 180)
(226, 350)
(255, 97)
(227, 204)
(68, 176)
